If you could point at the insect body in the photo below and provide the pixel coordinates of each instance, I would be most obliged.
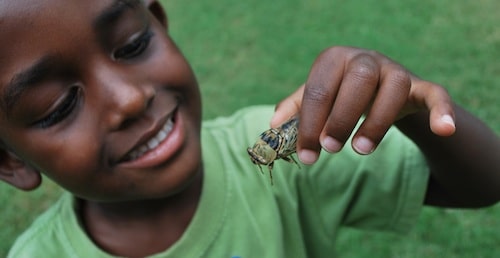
(275, 143)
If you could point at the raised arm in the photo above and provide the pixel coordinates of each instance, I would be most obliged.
(465, 167)
(345, 83)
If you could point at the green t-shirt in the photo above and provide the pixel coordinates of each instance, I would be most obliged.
(242, 215)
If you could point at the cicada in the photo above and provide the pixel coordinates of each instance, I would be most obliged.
(276, 143)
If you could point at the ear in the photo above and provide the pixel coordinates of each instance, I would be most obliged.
(17, 173)
(157, 10)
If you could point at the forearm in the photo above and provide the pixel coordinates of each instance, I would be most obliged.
(465, 167)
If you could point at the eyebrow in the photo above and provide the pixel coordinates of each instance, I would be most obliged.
(42, 68)
(24, 80)
(113, 12)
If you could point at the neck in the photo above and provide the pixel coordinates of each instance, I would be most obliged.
(141, 228)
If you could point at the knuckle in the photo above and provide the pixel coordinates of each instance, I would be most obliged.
(437, 90)
(400, 78)
(440, 90)
(316, 94)
(363, 68)
(334, 51)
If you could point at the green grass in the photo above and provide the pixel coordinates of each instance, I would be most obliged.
(254, 52)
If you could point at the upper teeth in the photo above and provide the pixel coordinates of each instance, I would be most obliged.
(153, 142)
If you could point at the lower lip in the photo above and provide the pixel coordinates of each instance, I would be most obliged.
(164, 151)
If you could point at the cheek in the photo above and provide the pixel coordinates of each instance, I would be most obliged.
(67, 158)
(170, 69)
(168, 63)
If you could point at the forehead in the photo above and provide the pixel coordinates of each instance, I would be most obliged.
(21, 20)
(31, 29)
(54, 13)
(38, 10)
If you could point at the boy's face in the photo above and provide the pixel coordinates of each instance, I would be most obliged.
(96, 95)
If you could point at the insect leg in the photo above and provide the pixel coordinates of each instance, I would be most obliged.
(291, 159)
(270, 167)
(260, 168)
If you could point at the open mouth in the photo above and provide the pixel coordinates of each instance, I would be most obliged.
(153, 142)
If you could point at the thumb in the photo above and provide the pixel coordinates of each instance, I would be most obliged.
(288, 107)
(442, 121)
(437, 100)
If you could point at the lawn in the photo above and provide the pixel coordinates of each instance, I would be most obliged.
(254, 52)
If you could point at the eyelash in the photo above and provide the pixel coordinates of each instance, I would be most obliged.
(134, 48)
(62, 111)
(129, 51)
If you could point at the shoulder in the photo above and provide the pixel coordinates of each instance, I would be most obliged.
(46, 235)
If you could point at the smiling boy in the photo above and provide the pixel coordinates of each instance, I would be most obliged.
(105, 105)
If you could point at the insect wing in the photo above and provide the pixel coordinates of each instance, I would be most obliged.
(288, 133)
(276, 143)
(272, 138)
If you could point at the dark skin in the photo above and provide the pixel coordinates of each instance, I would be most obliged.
(96, 88)
(462, 151)
(102, 93)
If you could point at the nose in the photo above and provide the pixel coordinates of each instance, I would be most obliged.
(126, 102)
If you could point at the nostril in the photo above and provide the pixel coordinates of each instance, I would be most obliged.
(150, 99)
(126, 123)
(131, 107)
(118, 121)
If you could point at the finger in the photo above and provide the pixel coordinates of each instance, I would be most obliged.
(437, 100)
(287, 107)
(391, 97)
(358, 87)
(319, 93)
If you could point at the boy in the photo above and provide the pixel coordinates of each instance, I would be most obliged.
(106, 106)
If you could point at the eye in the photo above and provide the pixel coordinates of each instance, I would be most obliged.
(62, 111)
(135, 48)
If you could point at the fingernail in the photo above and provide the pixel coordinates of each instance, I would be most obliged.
(330, 144)
(363, 145)
(448, 120)
(308, 156)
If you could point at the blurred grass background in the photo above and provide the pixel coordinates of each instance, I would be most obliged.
(257, 52)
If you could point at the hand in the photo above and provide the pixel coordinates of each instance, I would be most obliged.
(345, 83)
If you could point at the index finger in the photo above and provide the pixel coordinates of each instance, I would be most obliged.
(320, 91)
